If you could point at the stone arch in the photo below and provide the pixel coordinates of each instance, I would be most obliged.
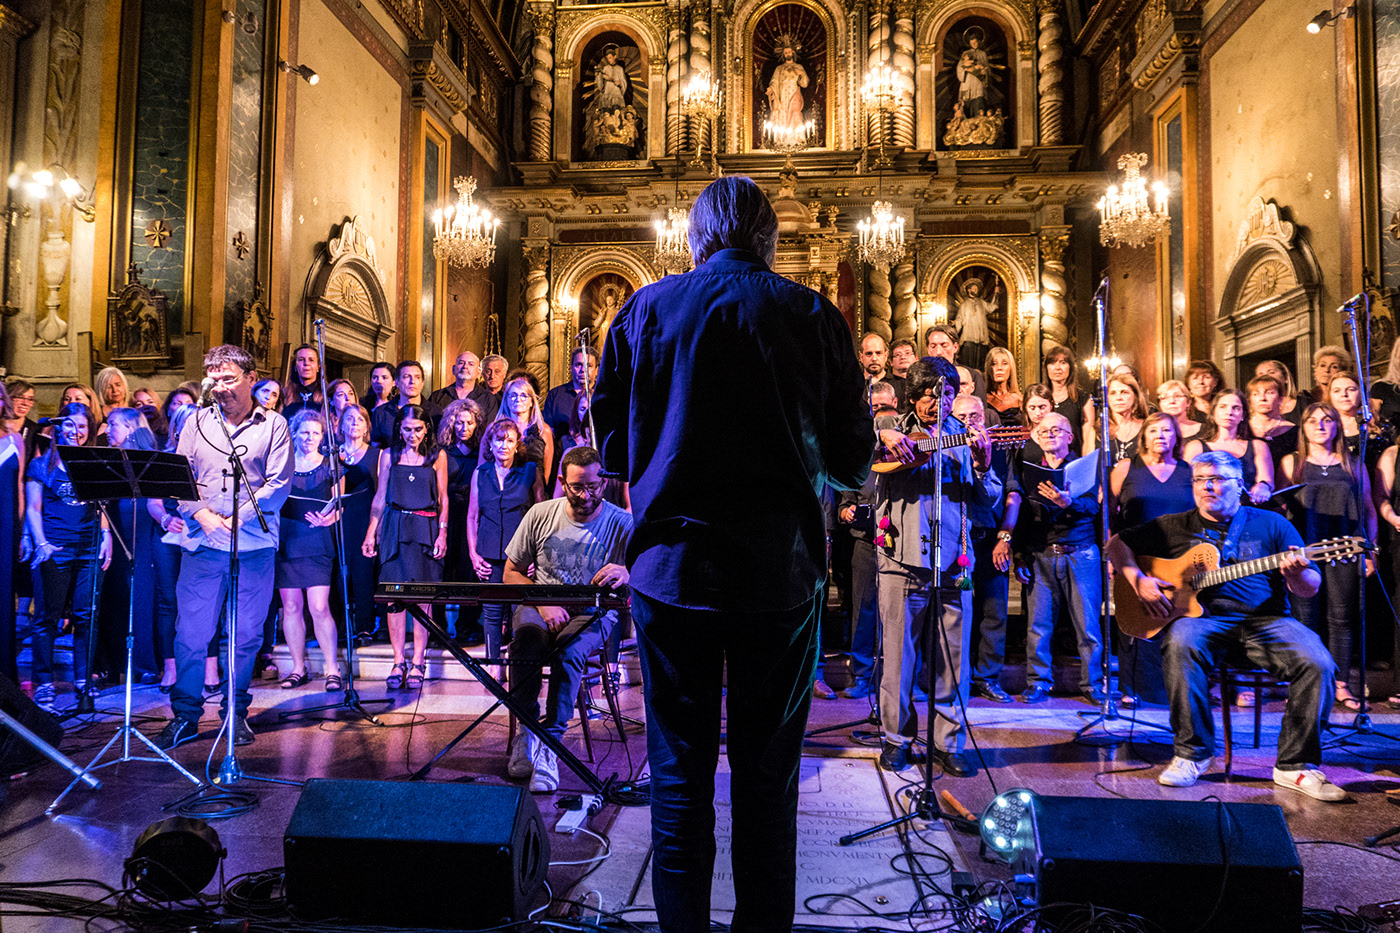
(1014, 261)
(345, 286)
(1020, 27)
(575, 27)
(1272, 294)
(739, 79)
(575, 269)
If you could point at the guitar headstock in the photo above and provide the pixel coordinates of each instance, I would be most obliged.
(1335, 550)
(1008, 436)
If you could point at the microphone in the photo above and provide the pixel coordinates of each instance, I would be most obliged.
(1355, 301)
(206, 392)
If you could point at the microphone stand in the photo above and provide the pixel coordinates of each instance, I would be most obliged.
(1108, 710)
(230, 771)
(925, 802)
(350, 698)
(1361, 724)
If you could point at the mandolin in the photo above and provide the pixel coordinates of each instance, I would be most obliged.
(1002, 437)
(1199, 568)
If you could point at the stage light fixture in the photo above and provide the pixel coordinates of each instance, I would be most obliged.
(1004, 821)
(175, 859)
(1328, 18)
(304, 71)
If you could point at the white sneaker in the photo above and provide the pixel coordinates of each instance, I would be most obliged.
(1310, 781)
(521, 762)
(545, 780)
(1183, 772)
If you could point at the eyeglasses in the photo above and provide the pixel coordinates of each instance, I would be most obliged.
(1054, 432)
(580, 489)
(1209, 482)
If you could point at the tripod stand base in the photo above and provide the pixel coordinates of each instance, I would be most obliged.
(925, 808)
(122, 734)
(350, 703)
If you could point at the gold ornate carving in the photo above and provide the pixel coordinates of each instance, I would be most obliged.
(1110, 75)
(1151, 16)
(1164, 58)
(930, 11)
(353, 239)
(927, 53)
(257, 327)
(136, 316)
(1052, 245)
(409, 14)
(1262, 219)
(242, 246)
(12, 25)
(429, 72)
(346, 290)
(1026, 48)
(649, 20)
(1272, 276)
(157, 232)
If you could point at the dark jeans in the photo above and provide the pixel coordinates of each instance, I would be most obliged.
(989, 600)
(770, 658)
(865, 610)
(204, 584)
(532, 643)
(166, 558)
(64, 585)
(494, 615)
(1068, 583)
(1335, 612)
(1283, 646)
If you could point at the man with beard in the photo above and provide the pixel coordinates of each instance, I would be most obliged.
(874, 357)
(578, 540)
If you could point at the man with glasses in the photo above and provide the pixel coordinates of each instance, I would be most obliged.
(265, 446)
(579, 540)
(1251, 613)
(1057, 555)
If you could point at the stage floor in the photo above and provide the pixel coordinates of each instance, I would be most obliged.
(842, 789)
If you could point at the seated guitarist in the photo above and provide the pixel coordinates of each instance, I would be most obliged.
(1252, 612)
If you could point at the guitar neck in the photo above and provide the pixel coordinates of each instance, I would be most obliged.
(1236, 571)
(942, 442)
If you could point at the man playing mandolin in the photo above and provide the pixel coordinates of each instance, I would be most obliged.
(1249, 610)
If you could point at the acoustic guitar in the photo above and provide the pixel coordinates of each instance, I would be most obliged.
(1002, 437)
(1199, 568)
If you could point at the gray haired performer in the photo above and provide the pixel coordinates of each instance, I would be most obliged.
(728, 554)
(265, 445)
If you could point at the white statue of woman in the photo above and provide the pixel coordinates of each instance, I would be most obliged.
(785, 101)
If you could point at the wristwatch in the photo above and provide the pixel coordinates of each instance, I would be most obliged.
(1004, 536)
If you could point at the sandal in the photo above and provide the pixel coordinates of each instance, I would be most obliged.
(396, 675)
(294, 680)
(214, 688)
(1345, 699)
(414, 680)
(334, 683)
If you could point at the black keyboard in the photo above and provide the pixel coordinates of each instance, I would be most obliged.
(475, 594)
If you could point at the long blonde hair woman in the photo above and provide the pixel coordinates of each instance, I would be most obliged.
(520, 405)
(1003, 392)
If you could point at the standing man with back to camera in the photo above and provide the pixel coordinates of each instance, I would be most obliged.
(728, 555)
(265, 446)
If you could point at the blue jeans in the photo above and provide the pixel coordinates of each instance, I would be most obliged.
(1283, 646)
(203, 587)
(67, 584)
(494, 615)
(865, 610)
(770, 658)
(989, 599)
(166, 559)
(1065, 582)
(532, 643)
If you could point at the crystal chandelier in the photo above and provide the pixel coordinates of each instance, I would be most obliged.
(881, 97)
(465, 236)
(881, 237)
(672, 240)
(700, 98)
(1126, 219)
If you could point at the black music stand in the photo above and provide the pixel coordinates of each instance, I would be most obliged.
(107, 474)
(402, 594)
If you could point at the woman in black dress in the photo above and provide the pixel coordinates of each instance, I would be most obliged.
(1229, 431)
(342, 392)
(71, 547)
(459, 436)
(360, 473)
(1126, 411)
(1344, 394)
(504, 487)
(1175, 399)
(1335, 501)
(1061, 370)
(382, 389)
(1288, 406)
(1204, 381)
(306, 551)
(268, 394)
(303, 387)
(520, 404)
(408, 529)
(128, 428)
(1003, 394)
(12, 462)
(1387, 493)
(1266, 420)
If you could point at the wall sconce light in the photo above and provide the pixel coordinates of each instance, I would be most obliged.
(1328, 18)
(40, 183)
(228, 17)
(307, 75)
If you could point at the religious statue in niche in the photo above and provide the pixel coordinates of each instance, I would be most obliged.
(136, 325)
(973, 93)
(788, 61)
(975, 305)
(599, 302)
(613, 100)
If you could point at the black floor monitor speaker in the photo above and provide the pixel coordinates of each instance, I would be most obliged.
(16, 754)
(1177, 863)
(408, 854)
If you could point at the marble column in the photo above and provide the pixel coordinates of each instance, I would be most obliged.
(1051, 85)
(902, 61)
(904, 320)
(542, 86)
(878, 309)
(677, 51)
(878, 50)
(700, 63)
(1054, 289)
(535, 342)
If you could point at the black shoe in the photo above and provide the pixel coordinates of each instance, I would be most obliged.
(954, 764)
(914, 755)
(1094, 695)
(858, 690)
(242, 734)
(1036, 693)
(991, 690)
(894, 757)
(177, 732)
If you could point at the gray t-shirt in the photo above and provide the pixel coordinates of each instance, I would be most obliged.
(565, 551)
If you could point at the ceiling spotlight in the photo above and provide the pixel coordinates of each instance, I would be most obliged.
(1328, 18)
(307, 75)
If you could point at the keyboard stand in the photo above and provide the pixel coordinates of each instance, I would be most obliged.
(505, 698)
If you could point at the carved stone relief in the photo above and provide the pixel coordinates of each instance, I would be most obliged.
(346, 287)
